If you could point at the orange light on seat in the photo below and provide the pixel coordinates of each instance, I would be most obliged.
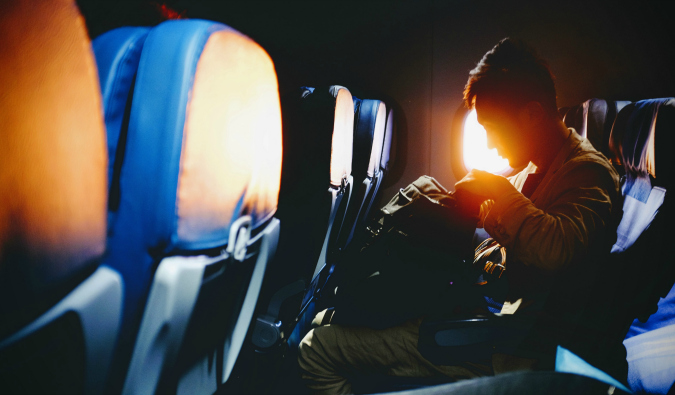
(475, 150)
(53, 157)
(232, 138)
(343, 135)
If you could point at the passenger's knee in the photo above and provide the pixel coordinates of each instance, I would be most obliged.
(319, 362)
(304, 345)
(315, 347)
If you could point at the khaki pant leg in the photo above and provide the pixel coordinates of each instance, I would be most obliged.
(330, 355)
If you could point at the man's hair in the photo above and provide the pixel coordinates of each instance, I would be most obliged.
(512, 73)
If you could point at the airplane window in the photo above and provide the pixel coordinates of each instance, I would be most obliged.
(475, 151)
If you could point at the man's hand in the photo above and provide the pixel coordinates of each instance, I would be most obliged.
(484, 184)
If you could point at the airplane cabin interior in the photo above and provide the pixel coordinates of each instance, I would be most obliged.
(185, 185)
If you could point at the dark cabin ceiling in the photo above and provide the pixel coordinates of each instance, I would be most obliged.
(416, 55)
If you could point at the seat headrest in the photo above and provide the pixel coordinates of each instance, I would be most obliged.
(621, 104)
(52, 157)
(343, 135)
(633, 141)
(318, 136)
(369, 129)
(117, 55)
(386, 145)
(596, 114)
(204, 142)
(593, 120)
(579, 116)
(575, 117)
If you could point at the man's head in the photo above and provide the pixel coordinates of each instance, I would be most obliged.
(514, 95)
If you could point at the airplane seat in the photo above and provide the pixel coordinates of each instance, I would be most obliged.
(117, 54)
(577, 117)
(574, 118)
(593, 120)
(60, 309)
(315, 189)
(198, 187)
(599, 119)
(562, 111)
(645, 228)
(599, 116)
(369, 132)
(386, 157)
(386, 160)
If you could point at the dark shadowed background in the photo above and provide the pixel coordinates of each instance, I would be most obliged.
(416, 55)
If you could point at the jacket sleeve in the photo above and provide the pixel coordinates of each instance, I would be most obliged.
(486, 206)
(553, 238)
(484, 210)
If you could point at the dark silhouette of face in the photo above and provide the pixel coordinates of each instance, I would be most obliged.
(509, 129)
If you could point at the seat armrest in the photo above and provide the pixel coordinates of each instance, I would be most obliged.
(269, 328)
(448, 340)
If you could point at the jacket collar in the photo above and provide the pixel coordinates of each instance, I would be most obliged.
(570, 145)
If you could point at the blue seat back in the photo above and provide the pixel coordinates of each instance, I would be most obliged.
(315, 188)
(643, 232)
(369, 130)
(385, 160)
(117, 55)
(593, 119)
(198, 185)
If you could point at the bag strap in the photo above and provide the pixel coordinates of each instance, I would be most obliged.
(490, 259)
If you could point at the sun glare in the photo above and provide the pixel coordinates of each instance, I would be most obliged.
(476, 153)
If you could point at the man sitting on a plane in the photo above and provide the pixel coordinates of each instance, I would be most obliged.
(557, 219)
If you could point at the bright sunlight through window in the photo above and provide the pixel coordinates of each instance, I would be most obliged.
(476, 153)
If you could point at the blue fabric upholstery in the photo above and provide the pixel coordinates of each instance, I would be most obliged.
(364, 134)
(568, 362)
(641, 204)
(369, 132)
(164, 82)
(385, 164)
(315, 187)
(633, 141)
(145, 227)
(117, 55)
(599, 119)
(593, 120)
(665, 316)
(202, 152)
(651, 360)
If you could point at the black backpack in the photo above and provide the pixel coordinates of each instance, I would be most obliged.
(414, 259)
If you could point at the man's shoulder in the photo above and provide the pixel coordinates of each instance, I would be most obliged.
(586, 155)
(592, 164)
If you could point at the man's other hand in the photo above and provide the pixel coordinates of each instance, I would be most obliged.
(484, 184)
